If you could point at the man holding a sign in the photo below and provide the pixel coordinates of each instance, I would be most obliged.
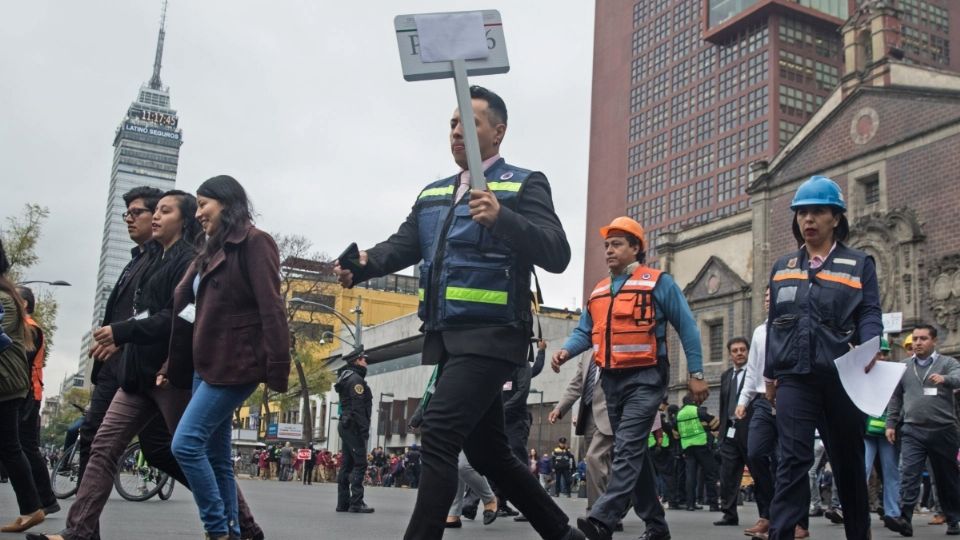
(476, 250)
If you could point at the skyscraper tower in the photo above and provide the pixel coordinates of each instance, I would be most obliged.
(146, 153)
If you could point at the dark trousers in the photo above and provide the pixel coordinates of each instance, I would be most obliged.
(466, 412)
(940, 446)
(679, 475)
(665, 464)
(762, 454)
(350, 477)
(733, 457)
(100, 398)
(562, 485)
(700, 459)
(633, 398)
(805, 403)
(13, 458)
(30, 442)
(308, 472)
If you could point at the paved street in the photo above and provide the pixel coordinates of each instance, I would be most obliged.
(293, 511)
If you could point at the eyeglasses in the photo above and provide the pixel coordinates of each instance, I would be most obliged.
(135, 212)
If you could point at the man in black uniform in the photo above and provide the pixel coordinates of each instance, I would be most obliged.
(356, 406)
(563, 462)
(477, 249)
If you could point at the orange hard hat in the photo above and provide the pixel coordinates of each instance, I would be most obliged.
(627, 225)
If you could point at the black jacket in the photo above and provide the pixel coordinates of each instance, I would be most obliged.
(739, 425)
(533, 231)
(356, 401)
(127, 280)
(148, 333)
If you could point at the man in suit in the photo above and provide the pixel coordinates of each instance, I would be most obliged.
(592, 423)
(733, 431)
(476, 250)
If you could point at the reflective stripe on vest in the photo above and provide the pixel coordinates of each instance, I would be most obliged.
(624, 324)
(877, 426)
(465, 294)
(690, 428)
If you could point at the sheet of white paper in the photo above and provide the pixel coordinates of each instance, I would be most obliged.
(870, 392)
(451, 36)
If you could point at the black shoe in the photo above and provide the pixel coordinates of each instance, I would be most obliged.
(521, 518)
(815, 512)
(674, 506)
(899, 525)
(694, 507)
(727, 521)
(65, 534)
(343, 509)
(655, 535)
(469, 512)
(593, 530)
(618, 527)
(574, 533)
(834, 515)
(255, 536)
(452, 524)
(361, 509)
(489, 516)
(953, 529)
(506, 511)
(715, 508)
(51, 508)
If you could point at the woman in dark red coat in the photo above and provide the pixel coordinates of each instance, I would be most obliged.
(230, 334)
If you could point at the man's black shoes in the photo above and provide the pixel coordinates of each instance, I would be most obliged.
(953, 528)
(898, 524)
(593, 529)
(362, 509)
(694, 507)
(834, 515)
(343, 508)
(469, 512)
(655, 535)
(727, 521)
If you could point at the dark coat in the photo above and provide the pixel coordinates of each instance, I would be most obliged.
(740, 425)
(356, 400)
(240, 332)
(128, 280)
(148, 337)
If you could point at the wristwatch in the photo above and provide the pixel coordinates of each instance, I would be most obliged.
(698, 375)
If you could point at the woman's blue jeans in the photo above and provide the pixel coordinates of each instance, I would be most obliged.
(202, 447)
(890, 465)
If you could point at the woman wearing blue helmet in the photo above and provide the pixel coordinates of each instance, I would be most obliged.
(824, 299)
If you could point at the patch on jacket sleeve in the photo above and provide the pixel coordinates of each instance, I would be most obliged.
(358, 388)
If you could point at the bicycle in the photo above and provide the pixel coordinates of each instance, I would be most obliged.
(135, 481)
(66, 473)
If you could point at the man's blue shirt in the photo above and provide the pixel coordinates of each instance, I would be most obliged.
(671, 306)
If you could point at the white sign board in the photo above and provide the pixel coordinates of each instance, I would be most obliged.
(289, 431)
(447, 36)
(893, 322)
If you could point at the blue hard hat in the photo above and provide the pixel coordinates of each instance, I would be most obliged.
(819, 191)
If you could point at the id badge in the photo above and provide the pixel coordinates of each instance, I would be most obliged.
(731, 432)
(507, 386)
(189, 313)
(142, 315)
(929, 391)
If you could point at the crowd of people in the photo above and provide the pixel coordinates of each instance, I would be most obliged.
(196, 321)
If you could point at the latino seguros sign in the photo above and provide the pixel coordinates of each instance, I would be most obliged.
(152, 131)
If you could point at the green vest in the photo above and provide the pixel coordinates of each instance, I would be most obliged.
(690, 428)
(664, 441)
(877, 426)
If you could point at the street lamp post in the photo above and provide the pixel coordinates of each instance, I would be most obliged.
(539, 420)
(57, 283)
(380, 420)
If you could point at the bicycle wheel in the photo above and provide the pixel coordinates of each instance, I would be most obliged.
(64, 479)
(134, 481)
(166, 490)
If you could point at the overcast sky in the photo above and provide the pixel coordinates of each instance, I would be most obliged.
(303, 102)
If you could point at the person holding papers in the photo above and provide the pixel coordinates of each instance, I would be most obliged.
(923, 406)
(824, 299)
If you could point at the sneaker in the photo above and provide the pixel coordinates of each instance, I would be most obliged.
(834, 515)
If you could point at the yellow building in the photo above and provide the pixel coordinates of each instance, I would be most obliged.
(315, 330)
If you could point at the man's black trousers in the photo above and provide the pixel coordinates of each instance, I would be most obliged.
(466, 412)
(701, 456)
(350, 477)
(733, 456)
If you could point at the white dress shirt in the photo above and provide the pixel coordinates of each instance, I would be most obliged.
(756, 361)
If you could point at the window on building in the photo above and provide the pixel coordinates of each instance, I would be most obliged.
(787, 131)
(870, 187)
(317, 298)
(310, 331)
(715, 344)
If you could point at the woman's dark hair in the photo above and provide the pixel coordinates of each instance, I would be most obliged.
(27, 294)
(236, 214)
(840, 232)
(187, 204)
(8, 287)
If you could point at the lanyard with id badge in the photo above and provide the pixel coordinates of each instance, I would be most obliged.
(189, 313)
(927, 390)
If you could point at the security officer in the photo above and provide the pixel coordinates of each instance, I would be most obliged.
(356, 406)
(563, 462)
(625, 324)
(824, 299)
(692, 423)
(477, 250)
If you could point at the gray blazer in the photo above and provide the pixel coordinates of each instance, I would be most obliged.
(572, 394)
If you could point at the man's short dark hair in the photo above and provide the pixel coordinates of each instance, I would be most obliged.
(495, 104)
(928, 328)
(150, 196)
(738, 339)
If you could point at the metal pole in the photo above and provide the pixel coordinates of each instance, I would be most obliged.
(540, 427)
(475, 163)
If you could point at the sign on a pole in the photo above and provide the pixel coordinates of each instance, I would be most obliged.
(415, 68)
(289, 431)
(892, 322)
(303, 454)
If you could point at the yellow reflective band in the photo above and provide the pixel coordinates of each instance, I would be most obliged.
(436, 192)
(477, 295)
(420, 294)
(504, 186)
